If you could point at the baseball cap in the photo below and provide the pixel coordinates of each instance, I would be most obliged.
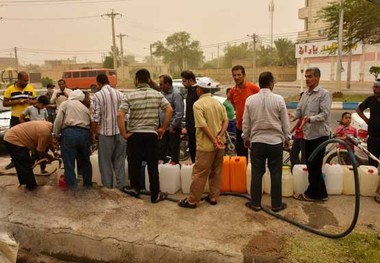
(50, 85)
(205, 83)
(376, 83)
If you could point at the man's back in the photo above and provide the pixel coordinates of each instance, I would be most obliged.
(105, 105)
(31, 134)
(143, 106)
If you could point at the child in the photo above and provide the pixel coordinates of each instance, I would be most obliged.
(298, 144)
(230, 113)
(37, 112)
(345, 129)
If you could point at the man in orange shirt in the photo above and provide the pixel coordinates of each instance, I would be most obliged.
(238, 95)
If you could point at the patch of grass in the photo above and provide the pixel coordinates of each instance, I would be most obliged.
(358, 247)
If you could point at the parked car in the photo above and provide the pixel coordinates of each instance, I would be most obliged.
(5, 116)
(177, 83)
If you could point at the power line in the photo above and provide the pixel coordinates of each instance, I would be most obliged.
(45, 19)
(57, 2)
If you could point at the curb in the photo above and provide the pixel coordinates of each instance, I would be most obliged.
(336, 105)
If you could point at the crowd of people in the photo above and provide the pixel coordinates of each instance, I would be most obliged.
(146, 124)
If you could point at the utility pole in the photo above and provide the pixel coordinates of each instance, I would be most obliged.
(339, 66)
(271, 10)
(122, 54)
(217, 66)
(151, 57)
(16, 58)
(254, 39)
(112, 15)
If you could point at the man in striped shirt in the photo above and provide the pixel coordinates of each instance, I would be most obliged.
(111, 149)
(143, 132)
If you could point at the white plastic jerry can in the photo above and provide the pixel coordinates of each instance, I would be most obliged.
(96, 177)
(287, 182)
(300, 178)
(348, 180)
(267, 181)
(369, 180)
(249, 177)
(334, 178)
(186, 173)
(170, 178)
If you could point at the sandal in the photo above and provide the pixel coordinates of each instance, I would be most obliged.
(211, 202)
(254, 208)
(131, 192)
(278, 209)
(185, 204)
(161, 197)
(303, 197)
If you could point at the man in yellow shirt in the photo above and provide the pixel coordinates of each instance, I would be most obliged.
(211, 123)
(19, 96)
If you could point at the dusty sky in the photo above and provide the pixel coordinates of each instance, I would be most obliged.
(57, 29)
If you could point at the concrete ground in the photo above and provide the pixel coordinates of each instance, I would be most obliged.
(106, 225)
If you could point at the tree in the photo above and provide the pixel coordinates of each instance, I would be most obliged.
(108, 62)
(374, 71)
(285, 51)
(129, 59)
(179, 51)
(266, 56)
(360, 24)
(232, 52)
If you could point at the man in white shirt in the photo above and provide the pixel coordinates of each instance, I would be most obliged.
(72, 128)
(265, 130)
(112, 147)
(60, 95)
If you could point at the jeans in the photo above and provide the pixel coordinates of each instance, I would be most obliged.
(140, 147)
(231, 126)
(23, 163)
(75, 145)
(317, 188)
(260, 153)
(297, 147)
(170, 145)
(240, 149)
(373, 145)
(192, 143)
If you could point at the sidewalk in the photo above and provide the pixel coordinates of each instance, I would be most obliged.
(103, 225)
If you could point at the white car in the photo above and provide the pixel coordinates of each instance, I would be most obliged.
(5, 116)
(177, 83)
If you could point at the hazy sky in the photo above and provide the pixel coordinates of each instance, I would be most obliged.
(57, 29)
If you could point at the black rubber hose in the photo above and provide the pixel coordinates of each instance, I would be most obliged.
(298, 224)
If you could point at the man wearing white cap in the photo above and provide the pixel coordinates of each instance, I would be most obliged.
(211, 123)
(72, 128)
(373, 142)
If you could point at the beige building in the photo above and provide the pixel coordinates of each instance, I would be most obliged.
(313, 49)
